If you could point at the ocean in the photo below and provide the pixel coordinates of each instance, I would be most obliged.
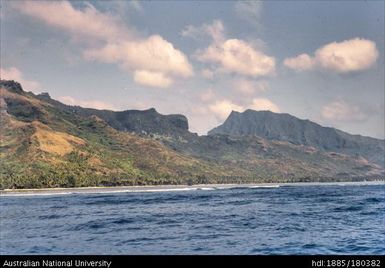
(290, 219)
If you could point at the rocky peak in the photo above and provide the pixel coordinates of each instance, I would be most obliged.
(12, 86)
(44, 96)
(285, 127)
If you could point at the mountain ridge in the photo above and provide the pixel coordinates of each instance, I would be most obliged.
(137, 121)
(300, 119)
(285, 127)
(44, 143)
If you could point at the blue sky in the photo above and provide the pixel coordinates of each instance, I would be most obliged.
(317, 60)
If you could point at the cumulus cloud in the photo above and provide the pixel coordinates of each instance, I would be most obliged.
(341, 57)
(347, 56)
(88, 23)
(152, 79)
(262, 104)
(87, 103)
(239, 57)
(230, 55)
(222, 108)
(153, 54)
(116, 44)
(341, 111)
(300, 63)
(13, 73)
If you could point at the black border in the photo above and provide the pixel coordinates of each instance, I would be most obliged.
(298, 261)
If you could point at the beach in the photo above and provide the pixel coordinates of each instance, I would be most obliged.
(164, 188)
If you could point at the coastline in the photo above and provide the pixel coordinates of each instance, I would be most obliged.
(166, 188)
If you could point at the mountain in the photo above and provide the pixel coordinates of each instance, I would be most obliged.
(135, 121)
(45, 143)
(285, 127)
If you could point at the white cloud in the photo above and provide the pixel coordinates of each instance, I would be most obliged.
(13, 73)
(347, 56)
(201, 120)
(250, 11)
(214, 30)
(300, 63)
(86, 103)
(262, 104)
(151, 79)
(89, 22)
(231, 55)
(238, 56)
(249, 87)
(116, 44)
(341, 111)
(213, 111)
(222, 109)
(152, 54)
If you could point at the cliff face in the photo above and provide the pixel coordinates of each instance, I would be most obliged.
(140, 122)
(136, 121)
(284, 127)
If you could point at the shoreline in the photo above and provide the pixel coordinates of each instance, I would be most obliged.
(167, 188)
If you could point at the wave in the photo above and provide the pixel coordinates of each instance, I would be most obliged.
(133, 189)
(130, 190)
(207, 188)
(35, 194)
(95, 191)
(265, 186)
(149, 189)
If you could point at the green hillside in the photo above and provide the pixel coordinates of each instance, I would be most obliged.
(44, 143)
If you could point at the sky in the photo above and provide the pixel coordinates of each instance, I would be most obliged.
(316, 60)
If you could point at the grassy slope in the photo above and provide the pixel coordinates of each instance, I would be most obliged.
(42, 146)
(67, 150)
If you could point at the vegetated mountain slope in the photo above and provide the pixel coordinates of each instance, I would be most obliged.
(47, 144)
(284, 127)
(273, 161)
(42, 146)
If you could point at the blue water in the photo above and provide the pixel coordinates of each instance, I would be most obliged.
(327, 219)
